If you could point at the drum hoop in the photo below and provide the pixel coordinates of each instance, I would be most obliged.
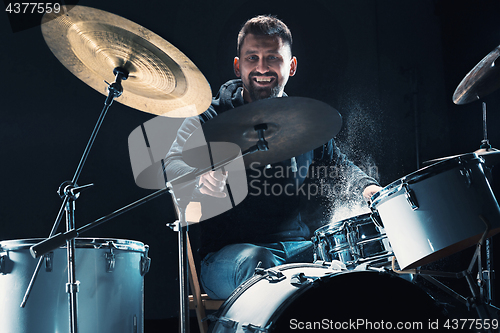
(329, 229)
(354, 218)
(95, 243)
(342, 224)
(235, 295)
(421, 174)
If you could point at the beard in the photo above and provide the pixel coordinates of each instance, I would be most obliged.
(263, 93)
(258, 93)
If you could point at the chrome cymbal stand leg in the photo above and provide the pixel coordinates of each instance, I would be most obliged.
(181, 227)
(73, 285)
(489, 274)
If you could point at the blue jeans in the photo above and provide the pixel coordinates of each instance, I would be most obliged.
(224, 270)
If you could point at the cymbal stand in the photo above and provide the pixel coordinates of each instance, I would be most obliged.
(69, 192)
(181, 227)
(485, 143)
(55, 241)
(479, 300)
(488, 274)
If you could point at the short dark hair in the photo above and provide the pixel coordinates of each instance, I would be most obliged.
(264, 25)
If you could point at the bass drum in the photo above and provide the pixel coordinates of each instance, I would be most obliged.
(305, 296)
(111, 291)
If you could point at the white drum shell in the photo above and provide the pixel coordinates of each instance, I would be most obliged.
(107, 301)
(247, 308)
(451, 197)
(336, 296)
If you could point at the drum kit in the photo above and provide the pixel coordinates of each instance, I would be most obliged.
(422, 218)
(426, 216)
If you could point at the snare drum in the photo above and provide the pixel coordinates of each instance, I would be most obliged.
(110, 298)
(330, 243)
(314, 297)
(438, 210)
(352, 241)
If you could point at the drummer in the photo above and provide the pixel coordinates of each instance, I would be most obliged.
(267, 227)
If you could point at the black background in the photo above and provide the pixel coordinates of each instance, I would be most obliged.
(390, 67)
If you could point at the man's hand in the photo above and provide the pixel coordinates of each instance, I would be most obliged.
(213, 183)
(370, 190)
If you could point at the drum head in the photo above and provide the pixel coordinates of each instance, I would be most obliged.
(361, 301)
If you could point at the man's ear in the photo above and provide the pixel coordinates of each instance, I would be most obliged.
(236, 67)
(293, 66)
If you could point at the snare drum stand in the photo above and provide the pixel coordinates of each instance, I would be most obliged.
(69, 192)
(479, 301)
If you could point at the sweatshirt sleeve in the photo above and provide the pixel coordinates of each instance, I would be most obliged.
(342, 169)
(174, 164)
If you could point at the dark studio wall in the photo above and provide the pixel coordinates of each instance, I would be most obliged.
(389, 67)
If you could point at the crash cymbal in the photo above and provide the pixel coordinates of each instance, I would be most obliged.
(483, 79)
(91, 43)
(295, 125)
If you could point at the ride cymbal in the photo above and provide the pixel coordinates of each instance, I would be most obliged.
(482, 80)
(295, 125)
(91, 43)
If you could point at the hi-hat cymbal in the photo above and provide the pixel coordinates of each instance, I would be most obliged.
(295, 125)
(92, 42)
(482, 80)
(491, 156)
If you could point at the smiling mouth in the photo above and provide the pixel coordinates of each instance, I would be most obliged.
(263, 79)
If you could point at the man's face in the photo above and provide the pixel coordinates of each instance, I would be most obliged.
(264, 66)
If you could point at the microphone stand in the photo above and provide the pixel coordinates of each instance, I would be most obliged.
(69, 192)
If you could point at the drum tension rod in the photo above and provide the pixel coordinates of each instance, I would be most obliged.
(145, 261)
(110, 258)
(254, 328)
(300, 279)
(3, 259)
(410, 196)
(272, 274)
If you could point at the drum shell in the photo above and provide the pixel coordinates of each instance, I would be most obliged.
(352, 241)
(331, 243)
(451, 196)
(267, 305)
(107, 301)
(267, 296)
(368, 242)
